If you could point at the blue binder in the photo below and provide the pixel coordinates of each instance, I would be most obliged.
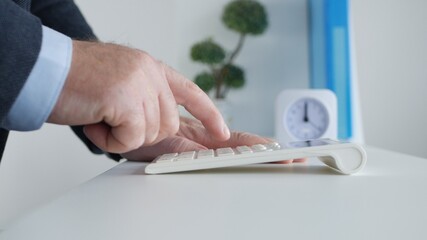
(330, 65)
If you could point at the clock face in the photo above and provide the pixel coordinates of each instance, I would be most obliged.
(307, 118)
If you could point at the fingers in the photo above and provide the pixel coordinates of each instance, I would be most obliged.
(193, 130)
(119, 139)
(243, 138)
(167, 145)
(169, 115)
(297, 160)
(300, 160)
(197, 103)
(152, 118)
(284, 161)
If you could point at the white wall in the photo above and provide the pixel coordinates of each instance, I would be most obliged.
(391, 43)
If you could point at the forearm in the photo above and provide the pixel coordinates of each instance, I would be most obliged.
(65, 17)
(44, 84)
(20, 50)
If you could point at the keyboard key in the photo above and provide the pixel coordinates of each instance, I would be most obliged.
(164, 160)
(205, 153)
(186, 156)
(169, 157)
(258, 148)
(224, 152)
(273, 145)
(244, 149)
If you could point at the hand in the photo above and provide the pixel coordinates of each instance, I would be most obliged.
(127, 99)
(193, 136)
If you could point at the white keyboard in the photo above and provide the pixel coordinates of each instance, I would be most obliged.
(344, 157)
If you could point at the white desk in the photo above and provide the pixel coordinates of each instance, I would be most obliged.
(387, 200)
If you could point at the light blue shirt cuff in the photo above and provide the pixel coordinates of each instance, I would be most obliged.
(44, 84)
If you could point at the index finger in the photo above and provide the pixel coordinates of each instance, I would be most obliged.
(189, 95)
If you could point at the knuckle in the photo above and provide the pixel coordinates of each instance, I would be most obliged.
(170, 126)
(119, 146)
(141, 55)
(193, 94)
(145, 58)
(138, 142)
(192, 87)
(137, 123)
(152, 131)
(135, 143)
(173, 127)
(151, 138)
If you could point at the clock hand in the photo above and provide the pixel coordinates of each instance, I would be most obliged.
(305, 112)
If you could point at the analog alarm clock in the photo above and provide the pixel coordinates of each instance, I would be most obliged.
(304, 114)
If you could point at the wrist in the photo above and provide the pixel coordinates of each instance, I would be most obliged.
(41, 91)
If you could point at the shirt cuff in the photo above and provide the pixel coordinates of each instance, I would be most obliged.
(44, 84)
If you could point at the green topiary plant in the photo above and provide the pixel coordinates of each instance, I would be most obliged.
(246, 17)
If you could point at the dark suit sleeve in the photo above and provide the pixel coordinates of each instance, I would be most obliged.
(65, 17)
(20, 43)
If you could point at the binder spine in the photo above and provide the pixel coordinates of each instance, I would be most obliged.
(330, 56)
